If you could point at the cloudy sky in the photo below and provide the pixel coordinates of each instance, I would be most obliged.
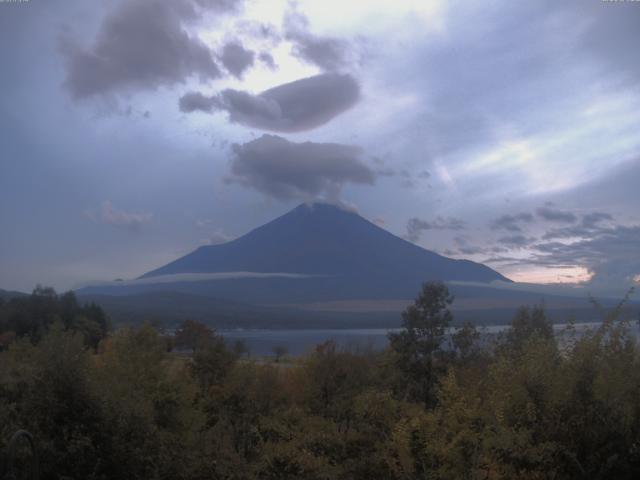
(133, 131)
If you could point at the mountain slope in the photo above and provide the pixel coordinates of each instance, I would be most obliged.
(322, 239)
(8, 294)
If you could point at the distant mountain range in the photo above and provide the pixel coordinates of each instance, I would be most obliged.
(319, 264)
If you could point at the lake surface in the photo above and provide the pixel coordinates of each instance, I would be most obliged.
(297, 342)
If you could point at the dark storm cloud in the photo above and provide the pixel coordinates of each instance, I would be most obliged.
(236, 59)
(555, 215)
(328, 53)
(512, 223)
(140, 45)
(416, 226)
(292, 107)
(276, 167)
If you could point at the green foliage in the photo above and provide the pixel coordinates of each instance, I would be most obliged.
(212, 361)
(46, 389)
(192, 335)
(417, 347)
(530, 408)
(465, 341)
(32, 316)
(330, 379)
(527, 323)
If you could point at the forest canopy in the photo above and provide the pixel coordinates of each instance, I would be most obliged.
(527, 404)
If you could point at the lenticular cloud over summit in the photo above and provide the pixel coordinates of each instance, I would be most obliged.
(292, 107)
(282, 169)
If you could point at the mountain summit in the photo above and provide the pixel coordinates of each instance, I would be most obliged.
(320, 239)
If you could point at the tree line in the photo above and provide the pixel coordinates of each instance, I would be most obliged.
(31, 317)
(522, 406)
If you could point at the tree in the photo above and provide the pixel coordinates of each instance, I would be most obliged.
(417, 347)
(32, 316)
(279, 351)
(212, 362)
(68, 306)
(96, 314)
(464, 340)
(529, 322)
(241, 348)
(55, 402)
(192, 335)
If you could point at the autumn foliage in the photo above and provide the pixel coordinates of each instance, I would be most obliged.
(525, 405)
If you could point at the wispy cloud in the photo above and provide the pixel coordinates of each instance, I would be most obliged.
(552, 214)
(110, 215)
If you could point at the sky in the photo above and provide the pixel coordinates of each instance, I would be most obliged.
(134, 131)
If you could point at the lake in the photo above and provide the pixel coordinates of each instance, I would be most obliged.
(297, 342)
